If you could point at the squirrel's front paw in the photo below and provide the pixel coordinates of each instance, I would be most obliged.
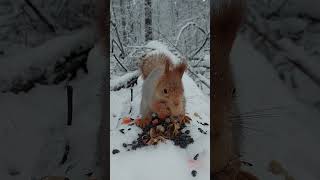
(142, 123)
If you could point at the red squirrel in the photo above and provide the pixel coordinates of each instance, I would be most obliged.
(162, 89)
(226, 22)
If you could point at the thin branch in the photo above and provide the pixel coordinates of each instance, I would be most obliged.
(164, 36)
(118, 37)
(185, 27)
(204, 43)
(40, 15)
(120, 62)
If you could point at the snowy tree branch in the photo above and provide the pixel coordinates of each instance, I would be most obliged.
(185, 27)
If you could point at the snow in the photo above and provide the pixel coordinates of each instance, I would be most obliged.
(164, 161)
(33, 129)
(117, 82)
(290, 138)
(162, 48)
(310, 90)
(288, 26)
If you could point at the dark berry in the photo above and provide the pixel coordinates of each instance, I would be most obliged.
(124, 145)
(115, 151)
(89, 174)
(187, 132)
(202, 131)
(194, 173)
(196, 157)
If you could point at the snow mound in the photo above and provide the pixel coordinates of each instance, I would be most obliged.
(159, 47)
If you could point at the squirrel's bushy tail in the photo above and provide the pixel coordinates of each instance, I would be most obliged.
(227, 17)
(225, 23)
(152, 61)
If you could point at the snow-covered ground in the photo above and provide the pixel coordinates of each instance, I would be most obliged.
(291, 138)
(33, 130)
(164, 161)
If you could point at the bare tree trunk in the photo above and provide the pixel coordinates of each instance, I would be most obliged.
(123, 21)
(148, 20)
(173, 22)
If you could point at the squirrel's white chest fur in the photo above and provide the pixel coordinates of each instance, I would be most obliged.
(148, 89)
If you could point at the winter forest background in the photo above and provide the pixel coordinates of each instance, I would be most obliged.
(183, 26)
(285, 32)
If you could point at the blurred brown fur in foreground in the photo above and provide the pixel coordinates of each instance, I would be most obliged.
(226, 22)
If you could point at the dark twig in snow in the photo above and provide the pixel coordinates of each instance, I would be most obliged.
(70, 104)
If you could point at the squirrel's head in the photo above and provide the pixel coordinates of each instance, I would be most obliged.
(170, 88)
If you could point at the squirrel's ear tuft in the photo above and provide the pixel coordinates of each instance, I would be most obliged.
(181, 68)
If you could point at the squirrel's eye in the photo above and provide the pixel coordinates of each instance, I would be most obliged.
(165, 91)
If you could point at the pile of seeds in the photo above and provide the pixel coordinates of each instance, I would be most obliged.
(161, 130)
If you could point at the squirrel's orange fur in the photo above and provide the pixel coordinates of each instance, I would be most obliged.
(162, 90)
